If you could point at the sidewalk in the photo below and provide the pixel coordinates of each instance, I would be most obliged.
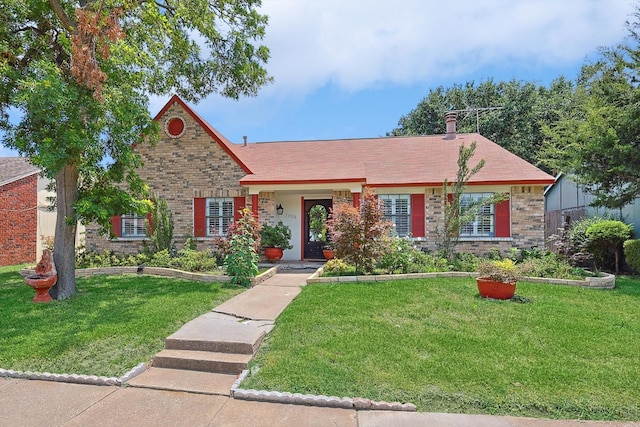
(47, 403)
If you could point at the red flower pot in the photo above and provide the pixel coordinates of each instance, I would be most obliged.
(273, 254)
(328, 254)
(496, 290)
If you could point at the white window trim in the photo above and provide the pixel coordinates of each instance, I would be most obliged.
(136, 226)
(475, 224)
(394, 198)
(222, 230)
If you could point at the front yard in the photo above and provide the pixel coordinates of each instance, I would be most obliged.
(112, 324)
(565, 353)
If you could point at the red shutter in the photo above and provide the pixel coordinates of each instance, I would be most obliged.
(199, 217)
(239, 203)
(356, 200)
(417, 215)
(115, 225)
(503, 219)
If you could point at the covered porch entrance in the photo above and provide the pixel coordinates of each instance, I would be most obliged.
(315, 236)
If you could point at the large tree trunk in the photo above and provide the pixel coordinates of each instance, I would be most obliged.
(64, 249)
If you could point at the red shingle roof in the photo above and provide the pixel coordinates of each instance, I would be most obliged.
(392, 161)
(378, 162)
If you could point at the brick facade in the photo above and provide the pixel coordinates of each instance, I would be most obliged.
(19, 221)
(179, 170)
(527, 222)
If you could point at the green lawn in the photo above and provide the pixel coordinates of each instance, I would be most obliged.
(567, 353)
(112, 323)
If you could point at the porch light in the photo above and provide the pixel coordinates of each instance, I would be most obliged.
(279, 209)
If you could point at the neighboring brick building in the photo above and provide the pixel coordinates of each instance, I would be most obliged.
(206, 179)
(18, 211)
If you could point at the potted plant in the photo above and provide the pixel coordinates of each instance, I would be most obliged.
(328, 252)
(497, 279)
(274, 239)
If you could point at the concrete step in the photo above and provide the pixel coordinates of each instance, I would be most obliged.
(220, 333)
(187, 381)
(205, 361)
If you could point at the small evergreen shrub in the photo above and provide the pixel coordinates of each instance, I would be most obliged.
(632, 254)
(191, 260)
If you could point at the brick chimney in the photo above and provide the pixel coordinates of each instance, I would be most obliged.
(451, 118)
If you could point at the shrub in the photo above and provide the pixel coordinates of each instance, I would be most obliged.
(337, 267)
(360, 236)
(161, 259)
(550, 265)
(608, 235)
(403, 257)
(632, 254)
(191, 260)
(465, 261)
(160, 228)
(241, 263)
(577, 235)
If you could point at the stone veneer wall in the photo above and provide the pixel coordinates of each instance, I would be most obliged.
(19, 221)
(179, 170)
(527, 222)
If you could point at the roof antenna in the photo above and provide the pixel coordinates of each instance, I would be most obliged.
(470, 110)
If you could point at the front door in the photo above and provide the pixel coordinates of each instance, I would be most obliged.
(316, 213)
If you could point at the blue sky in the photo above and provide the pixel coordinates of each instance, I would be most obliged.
(352, 68)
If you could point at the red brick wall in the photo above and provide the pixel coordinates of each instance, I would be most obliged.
(18, 221)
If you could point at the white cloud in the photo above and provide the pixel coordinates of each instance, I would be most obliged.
(357, 44)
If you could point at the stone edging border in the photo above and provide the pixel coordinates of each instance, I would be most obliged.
(607, 281)
(74, 378)
(164, 272)
(357, 403)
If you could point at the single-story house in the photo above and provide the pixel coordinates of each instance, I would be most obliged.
(206, 180)
(566, 201)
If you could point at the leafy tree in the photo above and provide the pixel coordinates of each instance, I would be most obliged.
(76, 77)
(456, 214)
(516, 125)
(598, 142)
(360, 235)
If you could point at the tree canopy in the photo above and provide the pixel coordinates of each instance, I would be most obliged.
(598, 142)
(75, 84)
(514, 114)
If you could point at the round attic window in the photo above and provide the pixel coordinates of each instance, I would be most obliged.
(174, 127)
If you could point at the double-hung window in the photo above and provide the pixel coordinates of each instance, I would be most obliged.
(219, 215)
(133, 225)
(397, 209)
(484, 224)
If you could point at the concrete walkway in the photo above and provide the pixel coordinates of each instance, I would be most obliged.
(50, 403)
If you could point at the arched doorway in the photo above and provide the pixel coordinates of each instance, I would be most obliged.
(316, 213)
